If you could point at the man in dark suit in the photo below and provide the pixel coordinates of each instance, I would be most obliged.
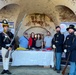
(57, 44)
(70, 47)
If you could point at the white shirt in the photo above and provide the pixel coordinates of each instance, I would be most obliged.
(48, 40)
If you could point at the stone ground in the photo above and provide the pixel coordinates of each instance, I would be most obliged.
(32, 70)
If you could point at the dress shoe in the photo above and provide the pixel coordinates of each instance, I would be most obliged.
(3, 72)
(58, 71)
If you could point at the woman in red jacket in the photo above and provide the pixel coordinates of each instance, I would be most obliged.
(32, 40)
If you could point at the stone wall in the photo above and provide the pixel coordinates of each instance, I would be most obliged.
(57, 10)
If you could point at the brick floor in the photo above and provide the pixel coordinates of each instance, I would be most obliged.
(32, 70)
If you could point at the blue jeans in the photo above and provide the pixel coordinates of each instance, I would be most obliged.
(58, 61)
(72, 68)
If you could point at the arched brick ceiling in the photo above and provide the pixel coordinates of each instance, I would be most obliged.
(47, 7)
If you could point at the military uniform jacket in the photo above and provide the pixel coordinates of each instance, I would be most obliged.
(5, 39)
(70, 45)
(58, 40)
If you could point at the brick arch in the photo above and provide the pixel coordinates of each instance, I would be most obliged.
(71, 4)
(36, 30)
(14, 4)
(10, 12)
(64, 6)
(65, 13)
(37, 27)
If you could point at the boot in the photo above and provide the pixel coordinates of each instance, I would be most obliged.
(8, 72)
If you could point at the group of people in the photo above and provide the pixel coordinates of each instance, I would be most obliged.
(67, 45)
(7, 43)
(35, 41)
(58, 43)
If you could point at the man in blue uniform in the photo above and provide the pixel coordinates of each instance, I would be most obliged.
(70, 47)
(57, 44)
(5, 38)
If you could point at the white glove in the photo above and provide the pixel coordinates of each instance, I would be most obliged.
(65, 50)
(54, 46)
(75, 33)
